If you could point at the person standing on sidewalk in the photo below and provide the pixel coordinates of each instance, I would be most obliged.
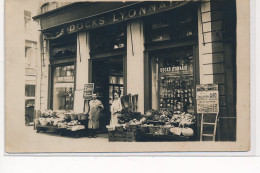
(95, 107)
(116, 107)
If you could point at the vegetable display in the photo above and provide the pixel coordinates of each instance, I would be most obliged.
(157, 122)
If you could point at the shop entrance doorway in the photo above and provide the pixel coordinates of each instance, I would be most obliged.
(108, 77)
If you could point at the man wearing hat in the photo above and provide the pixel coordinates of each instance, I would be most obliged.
(95, 107)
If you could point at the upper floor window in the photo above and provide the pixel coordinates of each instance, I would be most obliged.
(108, 38)
(171, 26)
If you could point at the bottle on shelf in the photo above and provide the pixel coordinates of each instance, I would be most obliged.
(161, 103)
(172, 102)
(168, 103)
(190, 101)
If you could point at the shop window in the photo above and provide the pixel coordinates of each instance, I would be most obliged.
(64, 47)
(172, 26)
(109, 38)
(172, 80)
(63, 87)
(30, 90)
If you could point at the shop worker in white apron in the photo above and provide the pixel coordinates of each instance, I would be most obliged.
(95, 107)
(116, 107)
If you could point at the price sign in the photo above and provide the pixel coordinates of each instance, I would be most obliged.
(88, 91)
(207, 97)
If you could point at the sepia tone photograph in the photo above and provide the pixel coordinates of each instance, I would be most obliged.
(132, 76)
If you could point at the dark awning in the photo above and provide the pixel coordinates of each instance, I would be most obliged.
(69, 21)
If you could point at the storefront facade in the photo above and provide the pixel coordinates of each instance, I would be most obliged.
(159, 51)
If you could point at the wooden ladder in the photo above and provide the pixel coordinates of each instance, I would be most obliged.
(209, 124)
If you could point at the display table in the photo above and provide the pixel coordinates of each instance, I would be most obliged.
(77, 130)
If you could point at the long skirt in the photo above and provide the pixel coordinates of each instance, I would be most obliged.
(114, 120)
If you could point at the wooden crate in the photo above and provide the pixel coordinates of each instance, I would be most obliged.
(115, 136)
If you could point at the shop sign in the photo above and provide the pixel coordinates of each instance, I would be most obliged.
(136, 11)
(88, 91)
(207, 97)
(174, 69)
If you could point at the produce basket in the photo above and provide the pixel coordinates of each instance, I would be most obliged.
(154, 129)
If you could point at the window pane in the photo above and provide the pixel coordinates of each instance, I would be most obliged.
(172, 81)
(30, 90)
(63, 87)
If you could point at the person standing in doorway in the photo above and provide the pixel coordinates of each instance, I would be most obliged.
(95, 107)
(116, 107)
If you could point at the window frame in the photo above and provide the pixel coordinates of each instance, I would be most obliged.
(51, 81)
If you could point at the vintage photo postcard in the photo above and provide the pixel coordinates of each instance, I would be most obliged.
(127, 76)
